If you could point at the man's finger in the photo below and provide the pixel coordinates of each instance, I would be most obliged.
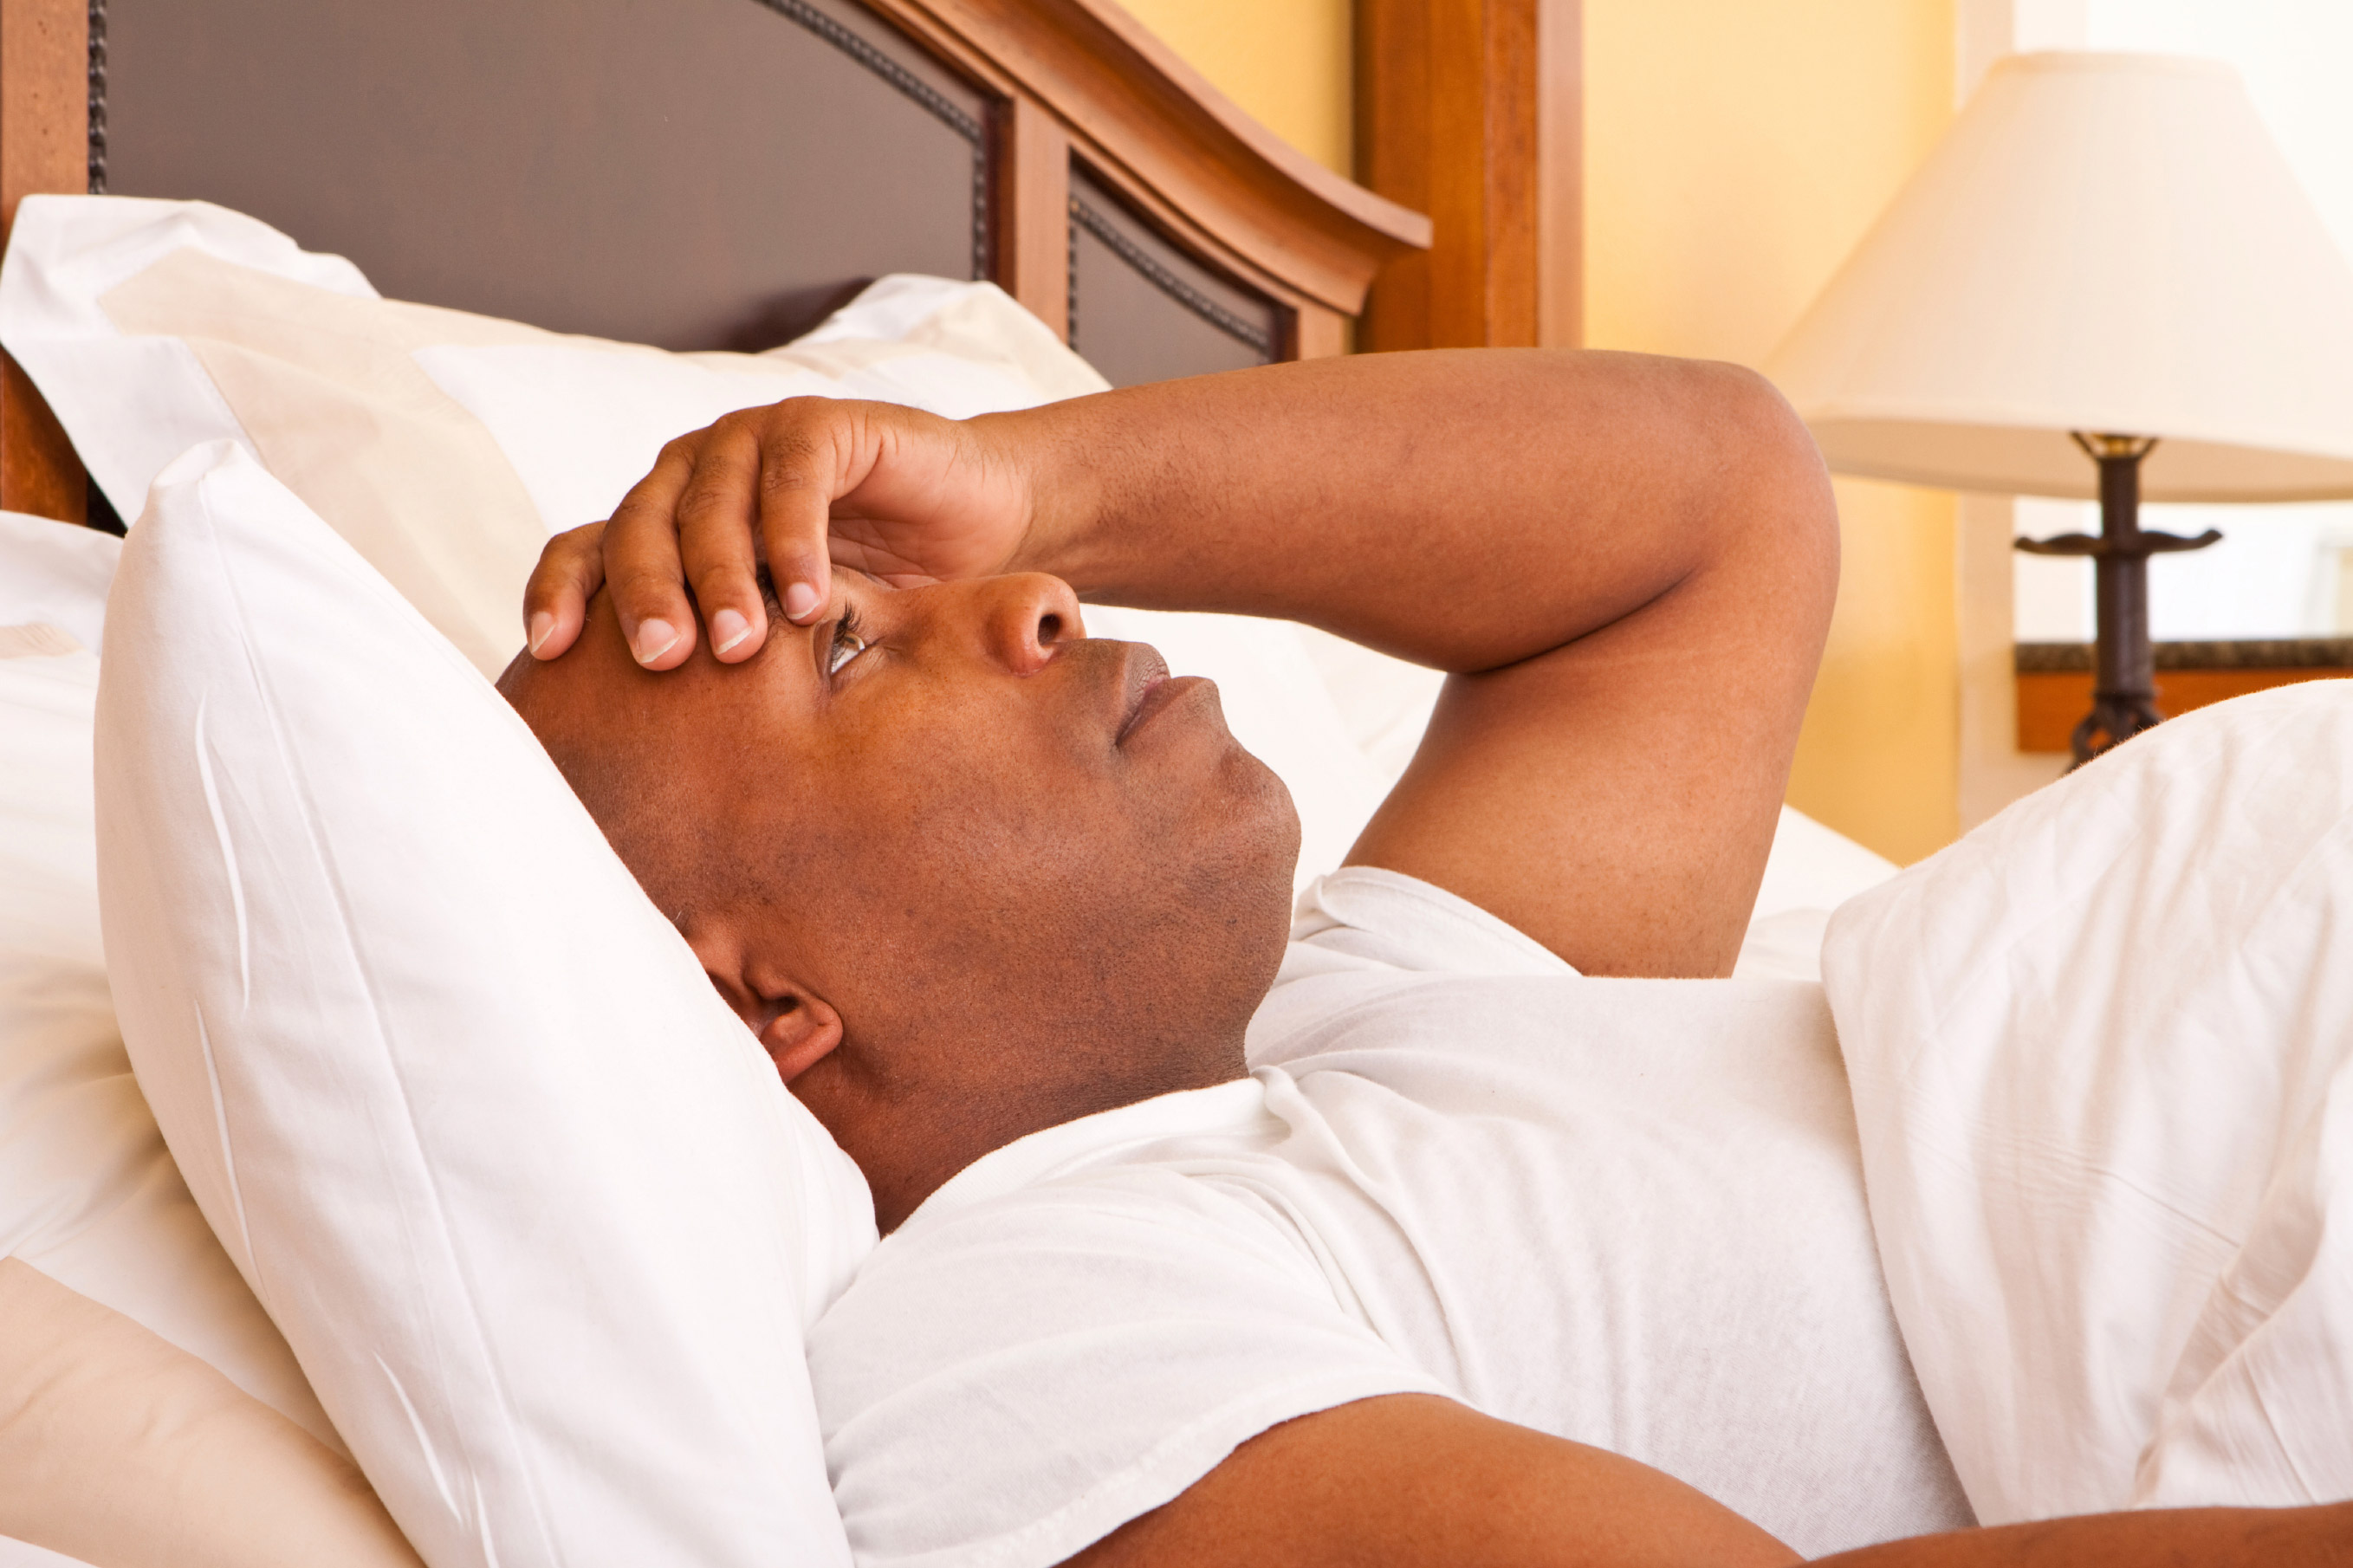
(715, 546)
(807, 456)
(642, 567)
(556, 600)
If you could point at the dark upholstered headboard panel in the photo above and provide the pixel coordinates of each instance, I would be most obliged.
(698, 173)
(1143, 309)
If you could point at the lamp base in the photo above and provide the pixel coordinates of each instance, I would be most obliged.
(2123, 691)
(2115, 717)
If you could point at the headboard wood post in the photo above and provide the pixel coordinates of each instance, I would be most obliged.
(1468, 110)
(1033, 212)
(1317, 331)
(1560, 174)
(44, 147)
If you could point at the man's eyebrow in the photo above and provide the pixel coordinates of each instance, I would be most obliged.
(776, 605)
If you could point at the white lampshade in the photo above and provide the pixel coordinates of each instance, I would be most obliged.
(2104, 243)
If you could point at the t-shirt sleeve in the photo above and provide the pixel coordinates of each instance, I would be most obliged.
(1012, 1381)
(1362, 916)
(1363, 932)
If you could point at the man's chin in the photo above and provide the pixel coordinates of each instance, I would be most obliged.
(1257, 827)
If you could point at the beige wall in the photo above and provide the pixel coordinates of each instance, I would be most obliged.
(1735, 153)
(1285, 61)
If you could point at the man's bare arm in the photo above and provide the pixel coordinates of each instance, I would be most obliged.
(1415, 1481)
(1626, 562)
(1411, 1481)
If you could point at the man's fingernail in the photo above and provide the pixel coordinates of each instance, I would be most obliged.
(728, 627)
(801, 600)
(543, 626)
(654, 639)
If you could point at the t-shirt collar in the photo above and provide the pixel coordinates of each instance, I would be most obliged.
(1222, 1107)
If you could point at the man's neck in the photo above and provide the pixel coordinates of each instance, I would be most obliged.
(930, 1142)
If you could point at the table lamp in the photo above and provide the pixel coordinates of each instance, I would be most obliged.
(2104, 282)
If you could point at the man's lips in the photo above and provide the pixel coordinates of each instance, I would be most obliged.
(1145, 689)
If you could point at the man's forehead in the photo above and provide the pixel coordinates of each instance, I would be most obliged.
(601, 657)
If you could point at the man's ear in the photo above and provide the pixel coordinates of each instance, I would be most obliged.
(803, 1032)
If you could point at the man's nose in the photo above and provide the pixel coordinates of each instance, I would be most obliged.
(1024, 615)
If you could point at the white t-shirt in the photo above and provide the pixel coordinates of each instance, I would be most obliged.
(1629, 1213)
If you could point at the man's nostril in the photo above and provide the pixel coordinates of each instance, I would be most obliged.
(1049, 629)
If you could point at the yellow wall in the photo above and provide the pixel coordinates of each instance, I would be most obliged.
(1285, 61)
(1735, 153)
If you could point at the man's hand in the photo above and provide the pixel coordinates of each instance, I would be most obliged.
(895, 492)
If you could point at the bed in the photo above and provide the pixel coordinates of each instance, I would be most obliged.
(721, 176)
(701, 176)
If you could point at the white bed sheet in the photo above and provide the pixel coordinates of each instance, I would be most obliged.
(24, 1554)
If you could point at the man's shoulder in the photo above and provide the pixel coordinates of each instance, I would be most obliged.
(1107, 1214)
(1159, 1279)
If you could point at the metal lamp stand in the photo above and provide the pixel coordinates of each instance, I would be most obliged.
(2123, 688)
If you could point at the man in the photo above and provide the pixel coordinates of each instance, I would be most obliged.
(1375, 1267)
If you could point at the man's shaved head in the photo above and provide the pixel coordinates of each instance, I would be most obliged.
(968, 873)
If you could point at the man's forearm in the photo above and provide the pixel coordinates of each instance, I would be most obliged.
(1466, 510)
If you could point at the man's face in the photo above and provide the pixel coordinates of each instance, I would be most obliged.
(1019, 865)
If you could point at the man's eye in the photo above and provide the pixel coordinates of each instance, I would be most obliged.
(846, 644)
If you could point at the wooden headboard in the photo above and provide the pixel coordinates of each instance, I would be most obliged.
(700, 173)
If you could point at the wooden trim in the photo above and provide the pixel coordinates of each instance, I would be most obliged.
(1470, 110)
(1317, 332)
(1156, 129)
(44, 148)
(1033, 212)
(2050, 703)
(1560, 174)
(43, 99)
(39, 470)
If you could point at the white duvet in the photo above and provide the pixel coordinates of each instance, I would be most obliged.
(2102, 1058)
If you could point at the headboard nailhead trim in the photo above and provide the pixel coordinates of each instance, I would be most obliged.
(942, 108)
(98, 98)
(1252, 334)
(938, 104)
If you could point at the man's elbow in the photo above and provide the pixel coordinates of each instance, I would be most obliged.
(1763, 486)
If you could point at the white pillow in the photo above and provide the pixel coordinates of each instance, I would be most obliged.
(445, 446)
(88, 1195)
(2101, 1057)
(530, 1203)
(55, 575)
